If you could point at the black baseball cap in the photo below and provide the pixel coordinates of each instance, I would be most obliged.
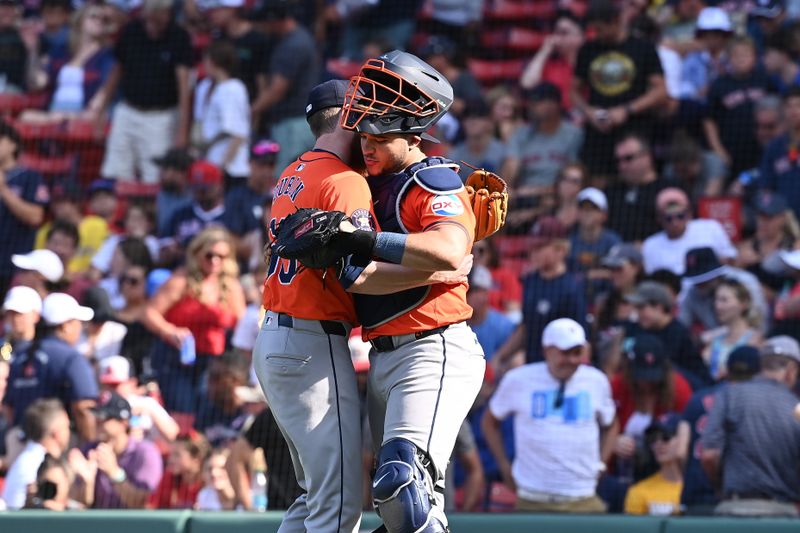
(648, 358)
(543, 92)
(177, 158)
(665, 425)
(325, 95)
(112, 405)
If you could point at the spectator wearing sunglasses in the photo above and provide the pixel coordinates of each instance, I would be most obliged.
(660, 494)
(564, 425)
(680, 233)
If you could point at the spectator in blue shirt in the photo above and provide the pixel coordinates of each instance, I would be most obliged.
(591, 241)
(51, 367)
(780, 166)
(550, 291)
(23, 196)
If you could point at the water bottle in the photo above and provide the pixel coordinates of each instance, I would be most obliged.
(258, 483)
(188, 354)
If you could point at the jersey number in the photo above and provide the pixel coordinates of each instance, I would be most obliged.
(286, 268)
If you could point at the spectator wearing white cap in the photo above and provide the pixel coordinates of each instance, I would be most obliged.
(51, 367)
(37, 269)
(702, 67)
(667, 248)
(22, 310)
(564, 425)
(149, 420)
(590, 241)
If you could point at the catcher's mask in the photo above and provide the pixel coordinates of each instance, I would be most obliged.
(395, 93)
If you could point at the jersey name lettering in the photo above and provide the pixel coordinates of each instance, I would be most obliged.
(289, 186)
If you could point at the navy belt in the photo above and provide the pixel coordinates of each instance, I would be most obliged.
(331, 327)
(387, 343)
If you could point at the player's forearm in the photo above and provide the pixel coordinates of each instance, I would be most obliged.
(385, 278)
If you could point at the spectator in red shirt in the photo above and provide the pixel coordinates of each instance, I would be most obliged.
(184, 476)
(555, 60)
(506, 293)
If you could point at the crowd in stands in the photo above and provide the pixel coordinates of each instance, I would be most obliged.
(640, 311)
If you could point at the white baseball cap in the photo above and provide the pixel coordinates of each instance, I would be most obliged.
(58, 308)
(114, 370)
(791, 258)
(45, 262)
(713, 19)
(480, 278)
(563, 333)
(23, 300)
(595, 196)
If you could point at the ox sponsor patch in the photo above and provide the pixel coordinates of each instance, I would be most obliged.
(447, 206)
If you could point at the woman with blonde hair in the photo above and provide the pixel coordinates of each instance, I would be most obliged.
(200, 302)
(74, 82)
(739, 322)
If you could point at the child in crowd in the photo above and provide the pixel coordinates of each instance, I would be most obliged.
(217, 493)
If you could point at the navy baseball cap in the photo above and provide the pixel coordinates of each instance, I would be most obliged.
(665, 425)
(112, 405)
(325, 95)
(648, 358)
(770, 203)
(101, 185)
(743, 361)
(767, 8)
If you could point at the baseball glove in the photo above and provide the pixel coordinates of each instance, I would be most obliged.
(488, 195)
(306, 236)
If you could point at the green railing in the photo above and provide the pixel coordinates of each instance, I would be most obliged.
(199, 522)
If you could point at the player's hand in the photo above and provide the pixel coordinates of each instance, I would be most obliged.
(625, 447)
(454, 277)
(345, 226)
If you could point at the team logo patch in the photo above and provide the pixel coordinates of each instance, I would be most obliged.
(447, 206)
(362, 219)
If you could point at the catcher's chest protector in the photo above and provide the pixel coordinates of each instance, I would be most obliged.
(434, 174)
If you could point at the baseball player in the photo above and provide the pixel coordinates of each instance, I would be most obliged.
(426, 365)
(301, 356)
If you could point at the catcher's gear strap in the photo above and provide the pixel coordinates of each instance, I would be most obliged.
(436, 175)
(402, 491)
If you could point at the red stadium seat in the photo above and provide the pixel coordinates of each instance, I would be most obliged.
(49, 166)
(12, 104)
(134, 189)
(524, 39)
(37, 132)
(519, 10)
(493, 71)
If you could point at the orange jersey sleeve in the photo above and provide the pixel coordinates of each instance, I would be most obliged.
(316, 179)
(421, 210)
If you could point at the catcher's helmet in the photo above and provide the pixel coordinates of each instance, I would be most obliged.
(395, 93)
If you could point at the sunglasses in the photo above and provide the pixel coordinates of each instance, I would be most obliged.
(560, 395)
(130, 280)
(627, 158)
(656, 436)
(668, 218)
(210, 256)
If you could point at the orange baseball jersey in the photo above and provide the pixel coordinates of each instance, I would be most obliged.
(315, 179)
(421, 210)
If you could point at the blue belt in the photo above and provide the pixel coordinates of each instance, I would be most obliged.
(387, 343)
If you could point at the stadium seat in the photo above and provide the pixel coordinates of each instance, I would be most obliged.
(519, 10)
(12, 104)
(132, 189)
(525, 39)
(34, 133)
(488, 72)
(49, 166)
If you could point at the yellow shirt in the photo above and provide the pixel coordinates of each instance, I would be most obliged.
(92, 231)
(654, 496)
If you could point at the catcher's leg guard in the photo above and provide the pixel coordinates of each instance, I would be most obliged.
(402, 491)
